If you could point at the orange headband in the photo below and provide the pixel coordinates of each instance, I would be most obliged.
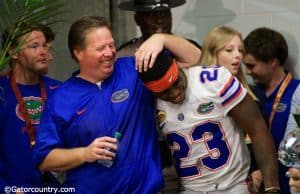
(165, 81)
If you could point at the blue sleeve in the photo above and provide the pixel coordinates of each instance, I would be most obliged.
(3, 103)
(3, 183)
(48, 135)
(2, 112)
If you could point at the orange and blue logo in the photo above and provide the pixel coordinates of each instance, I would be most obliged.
(35, 107)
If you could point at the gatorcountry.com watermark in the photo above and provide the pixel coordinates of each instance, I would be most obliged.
(14, 189)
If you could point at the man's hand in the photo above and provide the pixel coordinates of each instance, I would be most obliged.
(101, 148)
(256, 178)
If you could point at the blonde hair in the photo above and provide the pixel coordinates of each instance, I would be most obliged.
(215, 41)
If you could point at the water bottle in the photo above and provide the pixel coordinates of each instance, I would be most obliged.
(109, 163)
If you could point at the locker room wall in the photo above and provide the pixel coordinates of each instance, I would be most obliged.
(192, 20)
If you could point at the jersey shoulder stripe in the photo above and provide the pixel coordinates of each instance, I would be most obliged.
(227, 86)
(233, 96)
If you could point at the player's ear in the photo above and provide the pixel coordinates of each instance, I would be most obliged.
(10, 52)
(274, 62)
(78, 54)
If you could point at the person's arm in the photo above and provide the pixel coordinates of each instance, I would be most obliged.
(248, 117)
(50, 153)
(64, 159)
(185, 53)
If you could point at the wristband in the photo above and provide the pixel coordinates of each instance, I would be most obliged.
(272, 190)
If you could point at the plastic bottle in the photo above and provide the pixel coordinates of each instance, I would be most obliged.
(109, 163)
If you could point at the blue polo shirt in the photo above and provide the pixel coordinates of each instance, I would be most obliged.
(80, 111)
(282, 117)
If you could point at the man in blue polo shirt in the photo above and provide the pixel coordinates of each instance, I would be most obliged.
(266, 52)
(104, 97)
(23, 92)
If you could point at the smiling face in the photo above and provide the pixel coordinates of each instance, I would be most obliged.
(230, 56)
(97, 58)
(261, 72)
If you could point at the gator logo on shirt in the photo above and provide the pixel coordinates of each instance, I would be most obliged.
(34, 106)
(281, 107)
(120, 95)
(205, 108)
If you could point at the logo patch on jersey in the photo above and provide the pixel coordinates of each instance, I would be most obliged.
(34, 106)
(180, 116)
(120, 96)
(205, 108)
(281, 107)
(161, 118)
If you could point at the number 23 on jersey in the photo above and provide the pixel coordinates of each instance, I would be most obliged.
(211, 135)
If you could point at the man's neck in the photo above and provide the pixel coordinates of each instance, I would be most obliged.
(24, 76)
(277, 78)
(89, 78)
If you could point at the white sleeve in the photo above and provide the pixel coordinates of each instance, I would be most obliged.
(295, 109)
(225, 89)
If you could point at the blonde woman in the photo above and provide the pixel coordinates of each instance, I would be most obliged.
(224, 46)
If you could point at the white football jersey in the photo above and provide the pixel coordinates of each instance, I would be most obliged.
(209, 149)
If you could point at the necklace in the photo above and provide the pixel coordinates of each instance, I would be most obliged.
(21, 102)
(280, 92)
